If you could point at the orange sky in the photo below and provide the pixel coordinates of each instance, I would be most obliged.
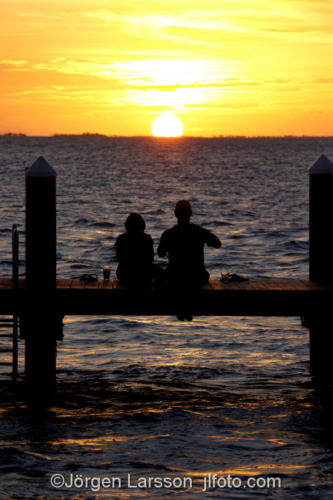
(224, 67)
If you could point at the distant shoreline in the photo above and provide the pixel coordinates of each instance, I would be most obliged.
(248, 137)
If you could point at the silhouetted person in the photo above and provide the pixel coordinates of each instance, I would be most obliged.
(185, 245)
(135, 254)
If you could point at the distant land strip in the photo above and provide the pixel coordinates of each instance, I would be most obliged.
(221, 136)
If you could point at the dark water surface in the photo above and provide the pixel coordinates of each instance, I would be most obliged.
(151, 396)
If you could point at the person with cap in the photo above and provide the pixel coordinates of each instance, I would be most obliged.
(184, 244)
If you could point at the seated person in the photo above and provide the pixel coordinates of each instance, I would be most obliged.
(185, 245)
(135, 254)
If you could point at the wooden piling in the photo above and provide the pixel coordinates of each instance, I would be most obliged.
(321, 214)
(321, 260)
(41, 224)
(15, 278)
(39, 320)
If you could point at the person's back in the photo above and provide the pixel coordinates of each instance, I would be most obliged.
(135, 252)
(184, 243)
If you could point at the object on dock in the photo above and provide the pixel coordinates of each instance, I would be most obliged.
(228, 278)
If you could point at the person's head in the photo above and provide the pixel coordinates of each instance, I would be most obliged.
(135, 223)
(183, 210)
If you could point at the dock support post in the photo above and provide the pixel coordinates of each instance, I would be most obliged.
(15, 253)
(39, 317)
(321, 259)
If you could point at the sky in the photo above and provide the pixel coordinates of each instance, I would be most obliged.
(230, 67)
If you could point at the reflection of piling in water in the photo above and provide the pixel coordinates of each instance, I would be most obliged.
(321, 259)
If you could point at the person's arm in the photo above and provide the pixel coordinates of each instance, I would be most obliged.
(120, 247)
(162, 247)
(212, 240)
(116, 245)
(151, 249)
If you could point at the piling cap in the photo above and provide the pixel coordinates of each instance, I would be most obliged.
(322, 166)
(42, 169)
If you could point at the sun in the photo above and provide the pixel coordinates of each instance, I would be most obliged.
(167, 125)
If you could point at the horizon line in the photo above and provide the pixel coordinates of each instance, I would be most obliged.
(214, 136)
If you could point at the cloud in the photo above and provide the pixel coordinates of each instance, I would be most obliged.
(167, 73)
(328, 80)
(289, 30)
(90, 98)
(13, 65)
(36, 15)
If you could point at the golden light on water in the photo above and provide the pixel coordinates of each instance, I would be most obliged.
(167, 125)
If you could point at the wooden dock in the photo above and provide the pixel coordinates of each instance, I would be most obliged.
(41, 301)
(268, 297)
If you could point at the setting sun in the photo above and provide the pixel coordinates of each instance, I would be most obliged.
(167, 125)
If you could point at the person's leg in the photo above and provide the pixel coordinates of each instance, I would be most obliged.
(182, 286)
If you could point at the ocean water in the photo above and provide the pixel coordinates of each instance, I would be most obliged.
(152, 397)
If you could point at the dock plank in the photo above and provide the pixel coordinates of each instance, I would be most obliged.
(22, 283)
(273, 285)
(259, 285)
(77, 284)
(105, 284)
(245, 285)
(269, 284)
(203, 286)
(91, 285)
(6, 283)
(248, 298)
(217, 285)
(326, 286)
(292, 284)
(300, 285)
(231, 286)
(286, 284)
(64, 283)
(118, 286)
(312, 285)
